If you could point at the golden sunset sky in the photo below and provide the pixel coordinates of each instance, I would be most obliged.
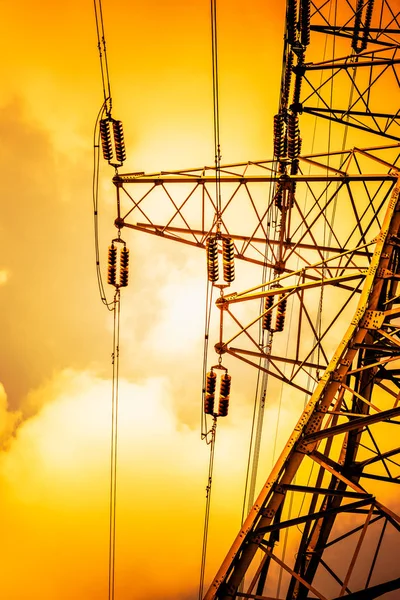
(57, 336)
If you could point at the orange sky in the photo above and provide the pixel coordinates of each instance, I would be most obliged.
(55, 354)
(56, 335)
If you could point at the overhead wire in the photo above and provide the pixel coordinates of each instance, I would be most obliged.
(262, 381)
(115, 305)
(209, 296)
(215, 79)
(210, 436)
(114, 445)
(102, 48)
(211, 441)
(95, 198)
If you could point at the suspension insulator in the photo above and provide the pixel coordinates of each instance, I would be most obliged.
(305, 18)
(282, 303)
(294, 167)
(279, 321)
(209, 404)
(293, 125)
(225, 387)
(357, 26)
(367, 24)
(291, 18)
(278, 198)
(123, 277)
(212, 259)
(288, 78)
(124, 258)
(112, 264)
(294, 147)
(124, 267)
(225, 390)
(267, 319)
(112, 255)
(223, 406)
(281, 313)
(292, 194)
(296, 107)
(211, 382)
(106, 143)
(119, 141)
(279, 135)
(228, 256)
(111, 275)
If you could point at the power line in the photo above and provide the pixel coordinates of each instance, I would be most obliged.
(114, 445)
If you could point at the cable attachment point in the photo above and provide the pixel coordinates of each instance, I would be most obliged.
(123, 264)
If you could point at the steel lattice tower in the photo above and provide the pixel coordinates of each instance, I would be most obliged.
(325, 230)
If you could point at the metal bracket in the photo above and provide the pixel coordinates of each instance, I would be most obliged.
(384, 273)
(373, 319)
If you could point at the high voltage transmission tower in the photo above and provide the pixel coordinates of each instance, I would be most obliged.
(324, 229)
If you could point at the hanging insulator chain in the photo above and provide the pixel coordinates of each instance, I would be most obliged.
(278, 198)
(124, 267)
(294, 139)
(279, 136)
(224, 395)
(297, 107)
(212, 259)
(228, 256)
(112, 265)
(287, 79)
(292, 194)
(211, 381)
(357, 25)
(112, 144)
(305, 19)
(367, 24)
(291, 21)
(105, 135)
(281, 313)
(119, 141)
(267, 319)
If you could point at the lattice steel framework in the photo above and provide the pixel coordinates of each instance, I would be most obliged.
(325, 230)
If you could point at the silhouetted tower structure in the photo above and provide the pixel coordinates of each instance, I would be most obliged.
(325, 230)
